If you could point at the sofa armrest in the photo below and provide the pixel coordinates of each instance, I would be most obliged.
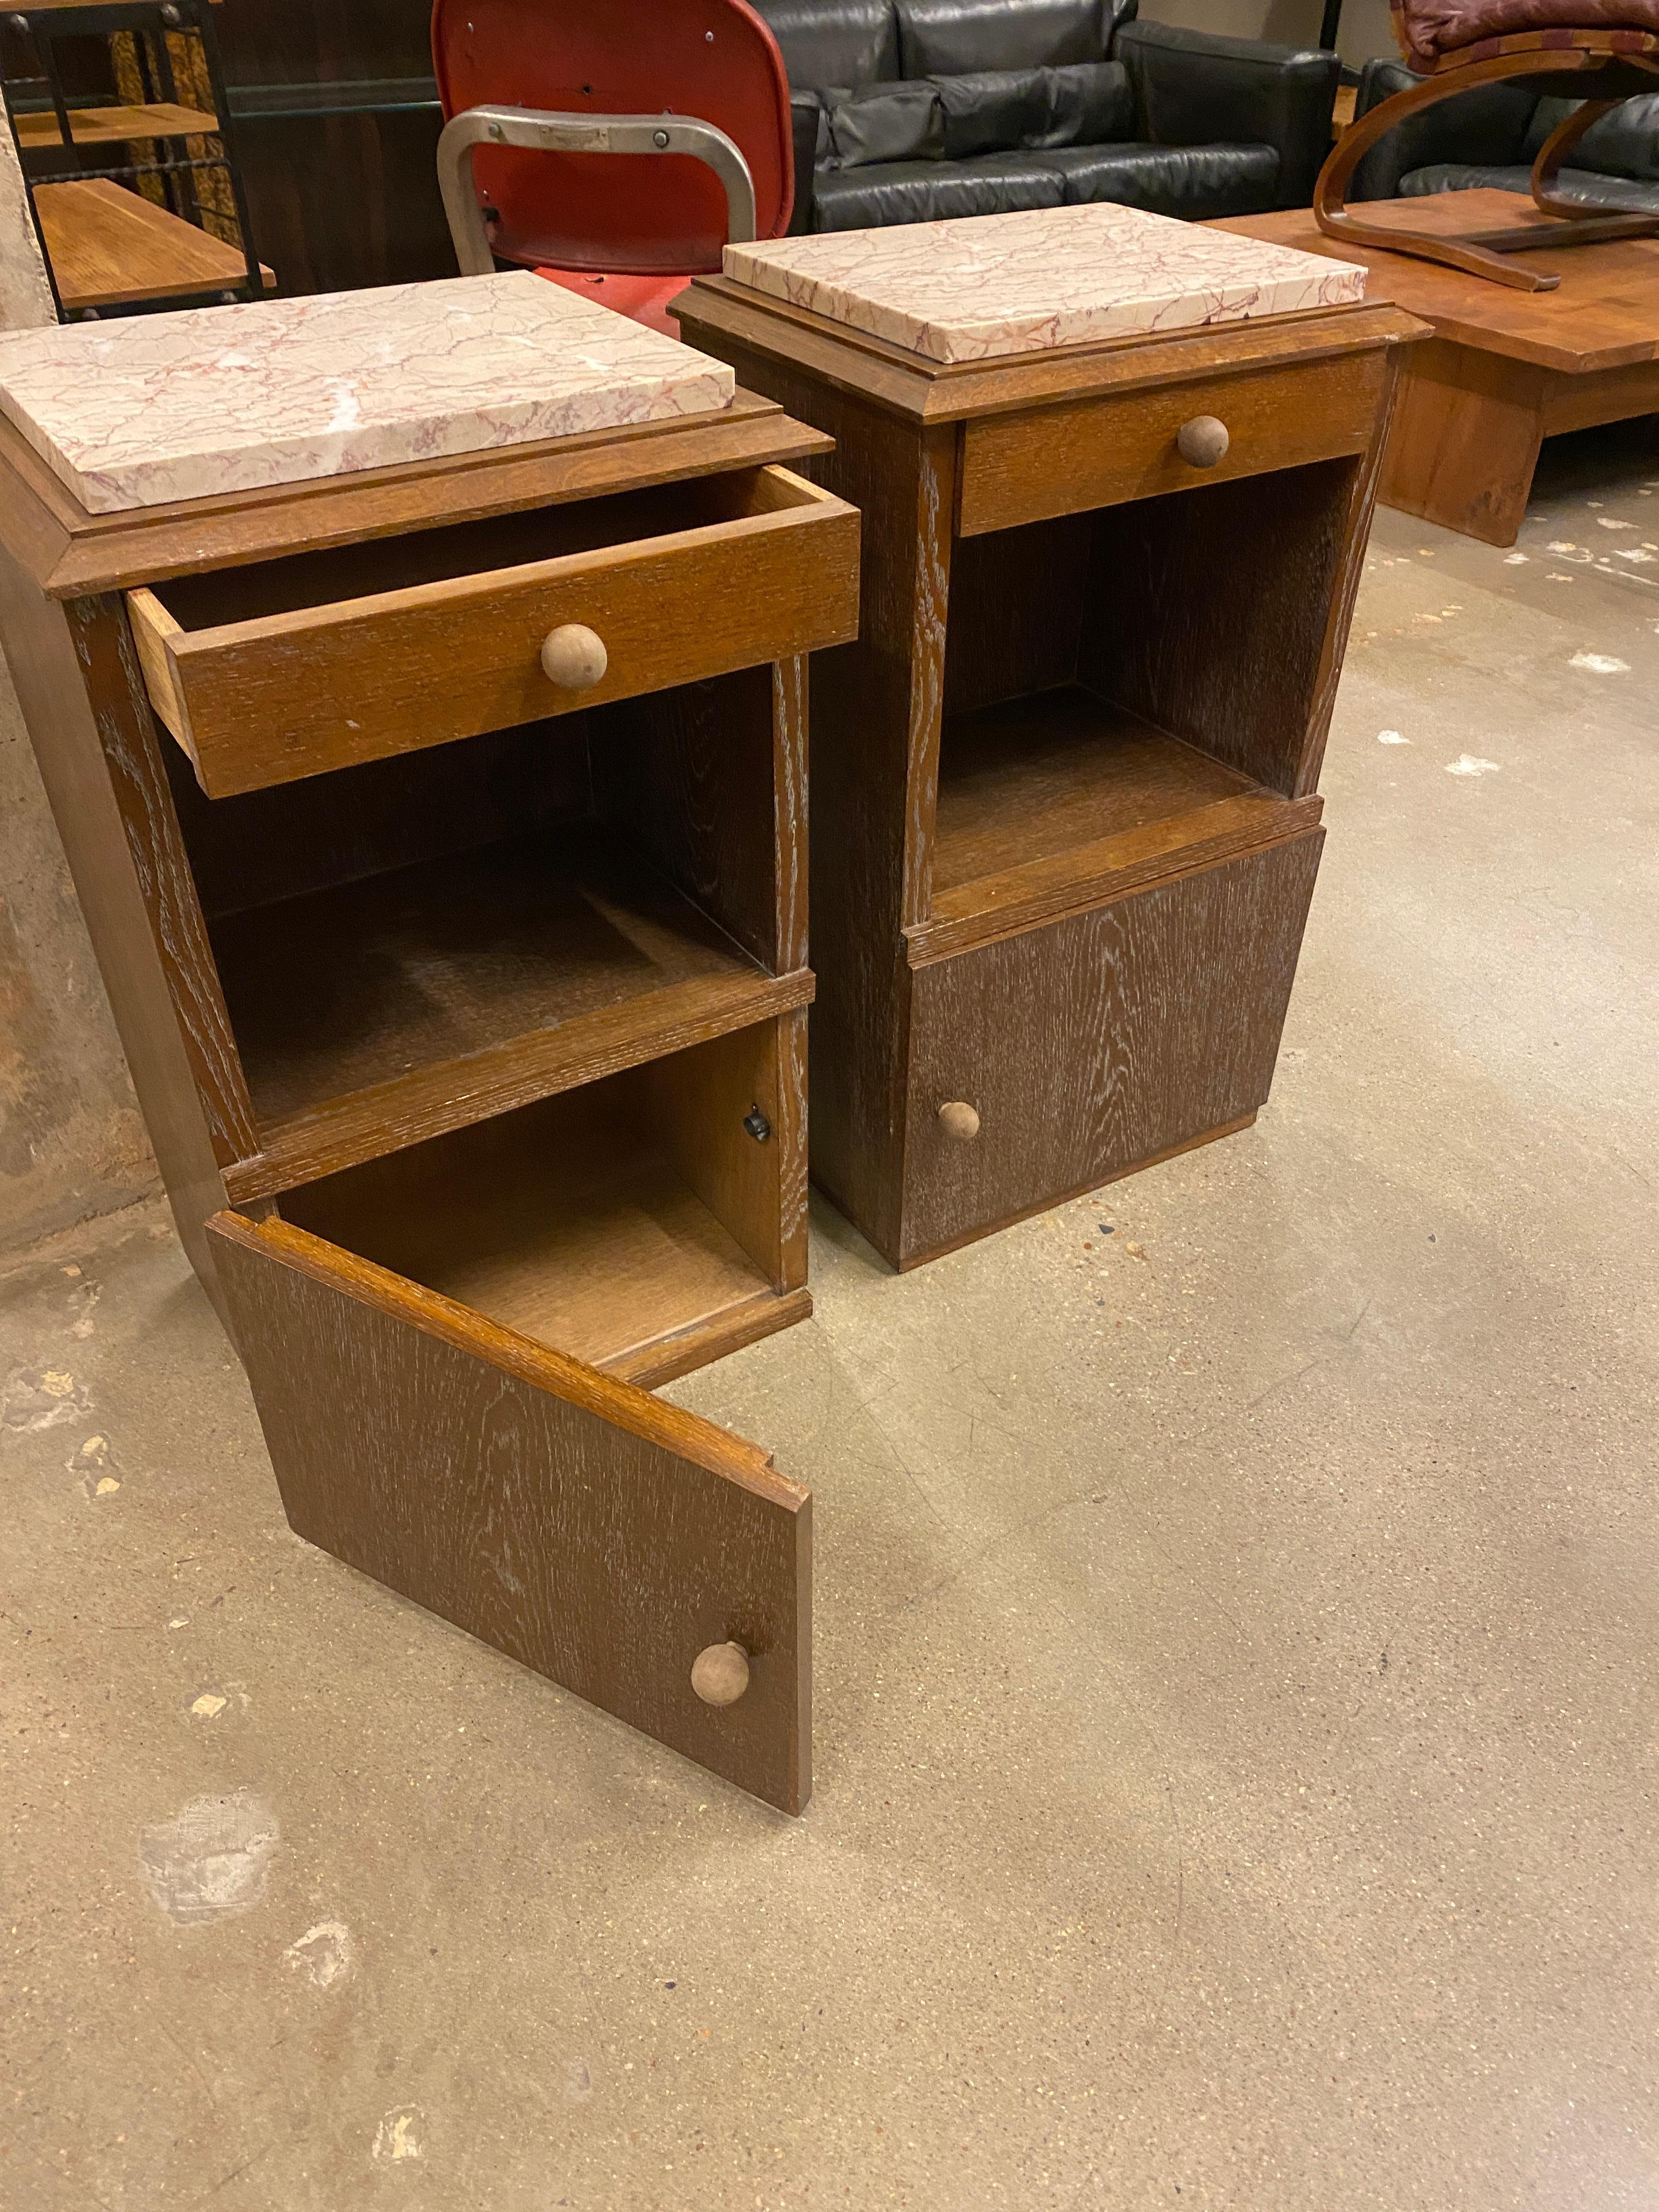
(806, 126)
(1486, 125)
(1194, 88)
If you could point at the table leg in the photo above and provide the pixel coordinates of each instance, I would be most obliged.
(1465, 439)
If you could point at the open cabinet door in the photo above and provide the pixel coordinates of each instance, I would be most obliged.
(577, 1522)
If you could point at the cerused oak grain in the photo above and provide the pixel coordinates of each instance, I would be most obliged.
(511, 1024)
(1065, 789)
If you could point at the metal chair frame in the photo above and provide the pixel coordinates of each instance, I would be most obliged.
(543, 130)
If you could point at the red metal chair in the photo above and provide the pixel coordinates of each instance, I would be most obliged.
(613, 146)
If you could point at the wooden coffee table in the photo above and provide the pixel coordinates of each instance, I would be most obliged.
(1504, 369)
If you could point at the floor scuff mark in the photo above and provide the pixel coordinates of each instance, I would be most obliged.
(212, 1859)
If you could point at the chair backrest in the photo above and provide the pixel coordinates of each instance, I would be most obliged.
(640, 214)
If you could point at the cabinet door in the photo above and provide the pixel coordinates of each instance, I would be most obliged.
(578, 1524)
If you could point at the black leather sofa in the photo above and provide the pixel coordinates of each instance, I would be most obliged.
(1489, 136)
(906, 111)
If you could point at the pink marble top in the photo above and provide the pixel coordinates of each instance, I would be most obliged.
(136, 411)
(978, 286)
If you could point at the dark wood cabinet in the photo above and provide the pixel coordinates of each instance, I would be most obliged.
(1065, 809)
(441, 832)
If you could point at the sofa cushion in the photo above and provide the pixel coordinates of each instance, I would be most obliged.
(990, 111)
(834, 42)
(1090, 104)
(885, 122)
(1586, 185)
(948, 37)
(927, 191)
(1625, 144)
(1200, 183)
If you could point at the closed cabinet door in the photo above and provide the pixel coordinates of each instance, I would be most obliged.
(641, 1557)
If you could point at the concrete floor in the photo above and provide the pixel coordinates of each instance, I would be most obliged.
(1235, 1660)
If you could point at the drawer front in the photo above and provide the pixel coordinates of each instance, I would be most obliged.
(1095, 452)
(1095, 1045)
(291, 694)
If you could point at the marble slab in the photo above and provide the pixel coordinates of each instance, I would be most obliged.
(973, 288)
(137, 410)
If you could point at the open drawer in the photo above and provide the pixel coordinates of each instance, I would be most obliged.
(288, 668)
(445, 1347)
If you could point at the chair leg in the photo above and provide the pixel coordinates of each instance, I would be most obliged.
(1333, 217)
(1551, 156)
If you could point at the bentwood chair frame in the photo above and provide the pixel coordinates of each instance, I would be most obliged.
(1601, 68)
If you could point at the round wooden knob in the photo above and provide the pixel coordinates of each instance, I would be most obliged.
(720, 1675)
(959, 1121)
(574, 657)
(1202, 441)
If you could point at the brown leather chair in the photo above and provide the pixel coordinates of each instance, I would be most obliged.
(1596, 51)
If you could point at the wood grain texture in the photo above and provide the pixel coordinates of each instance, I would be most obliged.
(1216, 616)
(1613, 395)
(70, 552)
(352, 987)
(1017, 605)
(1467, 430)
(1102, 1041)
(1048, 1203)
(577, 1524)
(298, 689)
(293, 839)
(1033, 777)
(1602, 317)
(708, 781)
(1052, 804)
(600, 1221)
(83, 701)
(694, 1104)
(1079, 454)
(427, 1101)
(110, 248)
(871, 796)
(104, 126)
(731, 315)
(1218, 606)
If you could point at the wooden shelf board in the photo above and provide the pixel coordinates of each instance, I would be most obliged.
(564, 1222)
(1057, 801)
(104, 126)
(111, 249)
(375, 1013)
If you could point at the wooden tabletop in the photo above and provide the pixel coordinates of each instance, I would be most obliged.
(1605, 314)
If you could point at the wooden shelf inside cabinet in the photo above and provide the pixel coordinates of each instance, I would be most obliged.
(371, 1013)
(110, 248)
(568, 1222)
(1055, 801)
(469, 1020)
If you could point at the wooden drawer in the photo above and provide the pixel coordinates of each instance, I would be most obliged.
(1099, 1044)
(288, 668)
(1096, 452)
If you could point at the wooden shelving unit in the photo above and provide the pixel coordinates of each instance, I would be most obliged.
(107, 247)
(109, 126)
(109, 244)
